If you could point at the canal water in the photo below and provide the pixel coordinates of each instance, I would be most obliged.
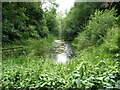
(61, 51)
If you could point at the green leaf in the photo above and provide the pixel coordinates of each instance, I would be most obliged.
(100, 78)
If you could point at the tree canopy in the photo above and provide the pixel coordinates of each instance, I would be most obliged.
(23, 20)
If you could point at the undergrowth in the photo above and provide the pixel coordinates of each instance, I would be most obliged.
(92, 68)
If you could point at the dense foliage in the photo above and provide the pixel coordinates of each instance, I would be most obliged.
(94, 32)
(77, 18)
(51, 21)
(19, 20)
(88, 70)
(23, 20)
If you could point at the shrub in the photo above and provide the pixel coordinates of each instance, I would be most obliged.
(95, 31)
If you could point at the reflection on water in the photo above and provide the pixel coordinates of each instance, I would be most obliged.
(61, 58)
(61, 51)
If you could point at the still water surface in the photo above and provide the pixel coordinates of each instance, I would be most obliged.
(61, 51)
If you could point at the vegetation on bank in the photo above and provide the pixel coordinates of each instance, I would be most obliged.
(23, 20)
(97, 43)
(93, 68)
(76, 19)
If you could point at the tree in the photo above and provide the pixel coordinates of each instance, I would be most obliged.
(76, 19)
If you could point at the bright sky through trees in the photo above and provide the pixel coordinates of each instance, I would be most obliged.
(64, 5)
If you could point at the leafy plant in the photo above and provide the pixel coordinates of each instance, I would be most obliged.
(96, 29)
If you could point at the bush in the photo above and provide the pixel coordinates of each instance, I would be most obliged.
(95, 31)
(111, 39)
